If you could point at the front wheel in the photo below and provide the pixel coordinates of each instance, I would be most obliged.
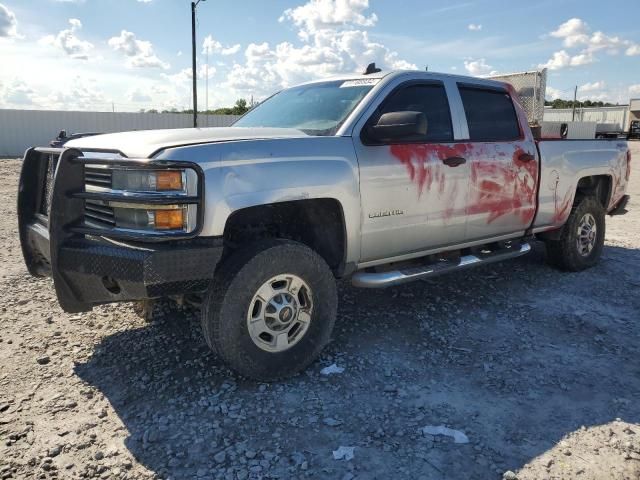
(270, 309)
(582, 240)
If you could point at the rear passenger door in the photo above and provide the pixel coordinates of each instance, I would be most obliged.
(414, 191)
(504, 163)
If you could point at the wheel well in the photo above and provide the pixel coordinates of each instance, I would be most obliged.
(596, 185)
(318, 223)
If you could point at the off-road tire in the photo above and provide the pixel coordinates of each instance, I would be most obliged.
(563, 253)
(236, 281)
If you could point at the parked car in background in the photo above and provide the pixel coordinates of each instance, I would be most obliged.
(385, 178)
(634, 130)
(63, 138)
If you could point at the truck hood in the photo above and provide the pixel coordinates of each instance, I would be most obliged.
(144, 143)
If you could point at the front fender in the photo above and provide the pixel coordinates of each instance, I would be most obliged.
(260, 172)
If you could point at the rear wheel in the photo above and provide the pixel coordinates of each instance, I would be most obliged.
(582, 239)
(270, 309)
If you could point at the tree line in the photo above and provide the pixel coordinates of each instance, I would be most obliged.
(559, 103)
(239, 108)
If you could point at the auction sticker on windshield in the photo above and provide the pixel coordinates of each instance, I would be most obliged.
(360, 82)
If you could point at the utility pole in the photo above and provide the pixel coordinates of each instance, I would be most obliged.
(206, 101)
(193, 62)
(575, 99)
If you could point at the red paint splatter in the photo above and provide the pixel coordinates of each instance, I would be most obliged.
(563, 209)
(424, 162)
(499, 187)
(504, 188)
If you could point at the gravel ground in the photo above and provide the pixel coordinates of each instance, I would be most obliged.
(537, 368)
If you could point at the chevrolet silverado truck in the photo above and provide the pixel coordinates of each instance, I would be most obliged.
(383, 178)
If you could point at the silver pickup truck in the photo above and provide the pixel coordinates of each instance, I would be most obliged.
(384, 178)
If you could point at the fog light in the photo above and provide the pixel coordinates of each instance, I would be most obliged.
(169, 219)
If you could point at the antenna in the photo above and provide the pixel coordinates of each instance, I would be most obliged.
(371, 68)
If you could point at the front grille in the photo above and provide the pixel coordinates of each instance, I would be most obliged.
(97, 177)
(99, 215)
(52, 164)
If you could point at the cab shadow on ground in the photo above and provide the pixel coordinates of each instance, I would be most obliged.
(516, 355)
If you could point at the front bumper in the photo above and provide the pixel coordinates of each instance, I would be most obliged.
(87, 268)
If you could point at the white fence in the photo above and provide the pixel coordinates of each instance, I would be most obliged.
(617, 115)
(21, 129)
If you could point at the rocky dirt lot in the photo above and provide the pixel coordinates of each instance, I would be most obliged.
(538, 369)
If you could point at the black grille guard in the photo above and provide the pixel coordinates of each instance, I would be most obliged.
(79, 257)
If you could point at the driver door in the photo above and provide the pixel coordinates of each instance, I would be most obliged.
(413, 190)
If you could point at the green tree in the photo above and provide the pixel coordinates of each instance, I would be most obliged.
(240, 108)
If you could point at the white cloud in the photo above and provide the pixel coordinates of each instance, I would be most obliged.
(139, 53)
(552, 93)
(633, 50)
(145, 1)
(562, 59)
(592, 87)
(576, 33)
(8, 23)
(212, 46)
(184, 76)
(573, 32)
(317, 15)
(81, 94)
(331, 43)
(474, 27)
(138, 95)
(478, 67)
(634, 89)
(68, 41)
(18, 94)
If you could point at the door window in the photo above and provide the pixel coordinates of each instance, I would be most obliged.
(428, 99)
(490, 114)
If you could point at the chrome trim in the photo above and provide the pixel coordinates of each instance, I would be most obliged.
(143, 206)
(396, 277)
(439, 249)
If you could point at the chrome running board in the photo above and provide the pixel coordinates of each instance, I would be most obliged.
(372, 279)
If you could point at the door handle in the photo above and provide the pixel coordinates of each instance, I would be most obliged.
(526, 157)
(454, 161)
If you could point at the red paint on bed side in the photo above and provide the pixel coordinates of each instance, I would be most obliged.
(563, 209)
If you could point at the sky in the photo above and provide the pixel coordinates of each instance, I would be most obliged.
(129, 55)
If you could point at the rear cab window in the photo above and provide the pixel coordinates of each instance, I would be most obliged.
(491, 115)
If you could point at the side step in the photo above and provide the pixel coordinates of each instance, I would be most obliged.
(368, 279)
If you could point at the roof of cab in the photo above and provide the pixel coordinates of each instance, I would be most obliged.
(419, 73)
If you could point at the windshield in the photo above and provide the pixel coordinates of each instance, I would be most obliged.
(316, 109)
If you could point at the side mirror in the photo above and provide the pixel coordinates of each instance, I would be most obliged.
(398, 126)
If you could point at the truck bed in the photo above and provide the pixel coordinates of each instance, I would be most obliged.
(564, 162)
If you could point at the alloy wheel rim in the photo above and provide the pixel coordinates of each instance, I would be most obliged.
(280, 313)
(587, 235)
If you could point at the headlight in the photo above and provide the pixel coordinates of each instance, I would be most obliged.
(134, 208)
(150, 180)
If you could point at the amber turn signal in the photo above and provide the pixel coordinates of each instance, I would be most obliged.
(168, 180)
(169, 219)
